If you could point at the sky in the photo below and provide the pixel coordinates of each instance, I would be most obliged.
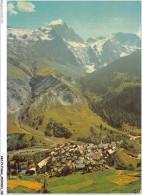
(87, 18)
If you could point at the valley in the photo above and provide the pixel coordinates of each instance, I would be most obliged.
(73, 111)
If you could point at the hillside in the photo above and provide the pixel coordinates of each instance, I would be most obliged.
(47, 94)
(114, 92)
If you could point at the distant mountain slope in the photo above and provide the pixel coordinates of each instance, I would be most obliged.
(126, 69)
(114, 92)
(45, 44)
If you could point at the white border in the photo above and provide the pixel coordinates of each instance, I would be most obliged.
(74, 0)
(3, 87)
(3, 82)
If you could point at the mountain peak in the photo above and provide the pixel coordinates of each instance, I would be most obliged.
(56, 22)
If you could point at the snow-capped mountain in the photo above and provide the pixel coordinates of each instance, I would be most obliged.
(65, 31)
(45, 33)
(26, 36)
(101, 51)
(112, 47)
(59, 43)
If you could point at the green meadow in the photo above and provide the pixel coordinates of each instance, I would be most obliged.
(95, 182)
(106, 181)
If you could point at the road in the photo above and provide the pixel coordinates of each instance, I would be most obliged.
(52, 140)
(28, 150)
(134, 137)
(17, 121)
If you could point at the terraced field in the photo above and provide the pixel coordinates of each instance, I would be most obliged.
(11, 184)
(95, 182)
(125, 180)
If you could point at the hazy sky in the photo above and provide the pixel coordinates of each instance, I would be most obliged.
(88, 19)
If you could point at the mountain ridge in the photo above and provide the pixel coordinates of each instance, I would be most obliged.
(87, 55)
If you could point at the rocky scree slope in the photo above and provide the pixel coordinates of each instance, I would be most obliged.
(31, 90)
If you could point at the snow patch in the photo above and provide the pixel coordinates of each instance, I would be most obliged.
(123, 54)
(20, 32)
(139, 33)
(45, 37)
(90, 68)
(75, 44)
(80, 51)
(56, 22)
(32, 35)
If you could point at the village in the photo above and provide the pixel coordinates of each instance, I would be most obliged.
(66, 158)
(69, 158)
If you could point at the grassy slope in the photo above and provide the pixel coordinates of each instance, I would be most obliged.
(20, 141)
(122, 158)
(16, 68)
(44, 67)
(77, 117)
(95, 182)
(121, 73)
(14, 72)
(70, 69)
(11, 118)
(21, 190)
(13, 129)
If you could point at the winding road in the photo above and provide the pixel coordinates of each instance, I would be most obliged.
(17, 121)
(41, 148)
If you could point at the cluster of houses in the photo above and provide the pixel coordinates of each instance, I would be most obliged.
(70, 158)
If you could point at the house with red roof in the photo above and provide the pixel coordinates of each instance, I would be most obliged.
(131, 153)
